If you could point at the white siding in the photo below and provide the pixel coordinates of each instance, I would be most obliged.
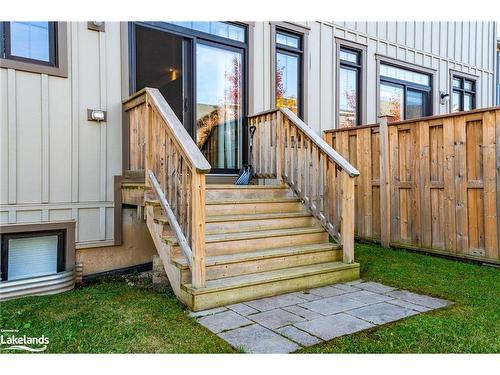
(56, 165)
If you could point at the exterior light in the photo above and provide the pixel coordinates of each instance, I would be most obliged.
(96, 115)
(443, 98)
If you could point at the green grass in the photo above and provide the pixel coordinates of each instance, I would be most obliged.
(112, 316)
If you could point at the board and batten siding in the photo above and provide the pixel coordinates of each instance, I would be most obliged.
(466, 47)
(56, 165)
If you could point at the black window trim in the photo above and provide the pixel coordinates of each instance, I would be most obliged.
(462, 90)
(291, 51)
(361, 50)
(358, 68)
(53, 46)
(61, 253)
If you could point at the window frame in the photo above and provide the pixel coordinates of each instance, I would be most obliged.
(61, 256)
(360, 49)
(58, 51)
(428, 105)
(462, 90)
(302, 33)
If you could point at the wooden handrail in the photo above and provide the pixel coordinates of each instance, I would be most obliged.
(287, 149)
(183, 243)
(175, 168)
(325, 147)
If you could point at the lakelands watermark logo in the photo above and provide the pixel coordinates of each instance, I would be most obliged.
(10, 339)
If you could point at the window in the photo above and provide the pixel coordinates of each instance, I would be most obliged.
(38, 47)
(31, 254)
(222, 29)
(30, 41)
(463, 94)
(349, 87)
(404, 94)
(288, 71)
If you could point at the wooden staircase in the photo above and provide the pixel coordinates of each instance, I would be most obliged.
(259, 240)
(223, 244)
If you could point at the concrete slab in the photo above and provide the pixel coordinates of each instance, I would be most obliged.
(276, 302)
(258, 339)
(276, 318)
(375, 287)
(368, 298)
(328, 291)
(382, 313)
(419, 299)
(332, 305)
(332, 326)
(224, 321)
(297, 335)
(242, 309)
(347, 288)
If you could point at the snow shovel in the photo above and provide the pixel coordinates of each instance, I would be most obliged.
(246, 172)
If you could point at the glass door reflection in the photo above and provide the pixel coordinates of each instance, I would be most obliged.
(219, 105)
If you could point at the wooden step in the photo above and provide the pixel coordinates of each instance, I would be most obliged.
(235, 289)
(264, 260)
(253, 206)
(254, 222)
(239, 192)
(230, 243)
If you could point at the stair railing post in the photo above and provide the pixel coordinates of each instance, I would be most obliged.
(347, 217)
(147, 139)
(279, 147)
(198, 271)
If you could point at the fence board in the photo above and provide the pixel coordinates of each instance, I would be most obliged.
(431, 183)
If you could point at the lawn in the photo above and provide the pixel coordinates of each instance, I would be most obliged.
(113, 316)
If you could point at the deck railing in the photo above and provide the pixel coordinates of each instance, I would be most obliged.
(430, 183)
(174, 168)
(285, 148)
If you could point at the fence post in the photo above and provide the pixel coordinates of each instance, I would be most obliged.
(385, 187)
(347, 213)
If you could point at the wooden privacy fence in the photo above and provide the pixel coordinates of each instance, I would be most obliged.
(175, 169)
(430, 183)
(287, 149)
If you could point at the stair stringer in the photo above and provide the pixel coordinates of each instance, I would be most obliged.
(164, 251)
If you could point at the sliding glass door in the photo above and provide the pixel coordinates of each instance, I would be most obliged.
(199, 69)
(219, 107)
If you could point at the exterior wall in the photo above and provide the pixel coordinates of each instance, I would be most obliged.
(466, 47)
(56, 165)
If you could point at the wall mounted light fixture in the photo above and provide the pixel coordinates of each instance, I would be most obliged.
(96, 115)
(443, 98)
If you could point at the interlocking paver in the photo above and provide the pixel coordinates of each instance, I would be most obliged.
(276, 302)
(242, 309)
(307, 295)
(276, 318)
(297, 335)
(332, 305)
(381, 313)
(367, 297)
(347, 288)
(327, 291)
(332, 326)
(199, 314)
(224, 321)
(375, 287)
(258, 339)
(409, 305)
(419, 299)
(300, 311)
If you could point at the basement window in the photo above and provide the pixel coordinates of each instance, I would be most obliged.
(32, 254)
